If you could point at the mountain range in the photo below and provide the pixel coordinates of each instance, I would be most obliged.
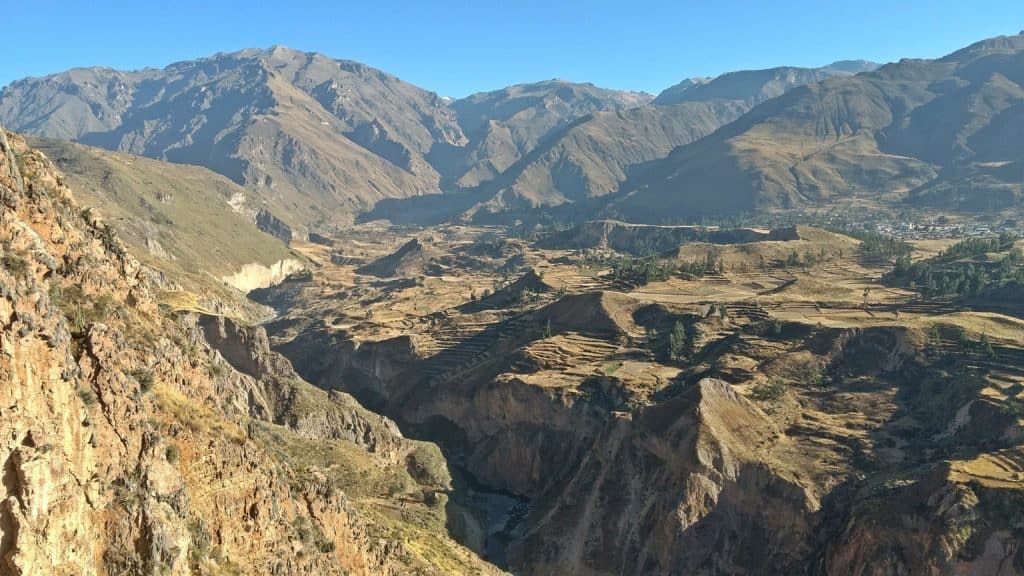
(320, 141)
(942, 133)
(209, 368)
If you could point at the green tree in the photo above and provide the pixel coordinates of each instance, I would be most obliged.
(986, 346)
(677, 341)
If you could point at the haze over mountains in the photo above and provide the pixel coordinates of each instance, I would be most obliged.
(317, 139)
(314, 137)
(594, 155)
(941, 132)
(320, 140)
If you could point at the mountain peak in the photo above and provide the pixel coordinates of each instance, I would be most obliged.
(853, 66)
(989, 46)
(751, 86)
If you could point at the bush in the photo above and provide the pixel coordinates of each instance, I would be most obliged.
(172, 454)
(427, 466)
(201, 541)
(398, 484)
(812, 375)
(1012, 408)
(985, 347)
(309, 532)
(326, 546)
(87, 396)
(16, 266)
(215, 370)
(77, 307)
(771, 390)
(434, 499)
(56, 295)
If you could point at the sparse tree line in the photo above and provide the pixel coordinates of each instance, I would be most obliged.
(976, 246)
(873, 245)
(489, 245)
(642, 271)
(947, 274)
(877, 246)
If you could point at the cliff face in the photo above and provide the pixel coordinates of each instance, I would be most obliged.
(880, 453)
(687, 487)
(131, 445)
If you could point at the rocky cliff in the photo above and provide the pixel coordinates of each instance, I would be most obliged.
(140, 440)
(772, 448)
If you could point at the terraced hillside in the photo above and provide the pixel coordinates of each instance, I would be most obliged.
(762, 417)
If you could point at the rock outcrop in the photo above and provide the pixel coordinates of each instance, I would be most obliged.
(255, 275)
(410, 259)
(134, 446)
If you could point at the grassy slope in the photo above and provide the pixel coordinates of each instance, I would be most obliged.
(184, 209)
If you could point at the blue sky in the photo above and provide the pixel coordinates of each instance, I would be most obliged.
(459, 47)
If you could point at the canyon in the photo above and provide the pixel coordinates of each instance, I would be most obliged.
(271, 312)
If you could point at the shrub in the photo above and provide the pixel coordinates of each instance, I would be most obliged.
(109, 239)
(427, 467)
(1012, 408)
(812, 375)
(172, 454)
(985, 347)
(326, 546)
(16, 266)
(397, 485)
(302, 530)
(771, 390)
(56, 295)
(200, 547)
(215, 370)
(87, 396)
(78, 309)
(963, 341)
(309, 532)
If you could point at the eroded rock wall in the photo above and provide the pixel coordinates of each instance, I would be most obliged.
(130, 445)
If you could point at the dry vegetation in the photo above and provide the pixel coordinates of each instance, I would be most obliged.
(858, 377)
